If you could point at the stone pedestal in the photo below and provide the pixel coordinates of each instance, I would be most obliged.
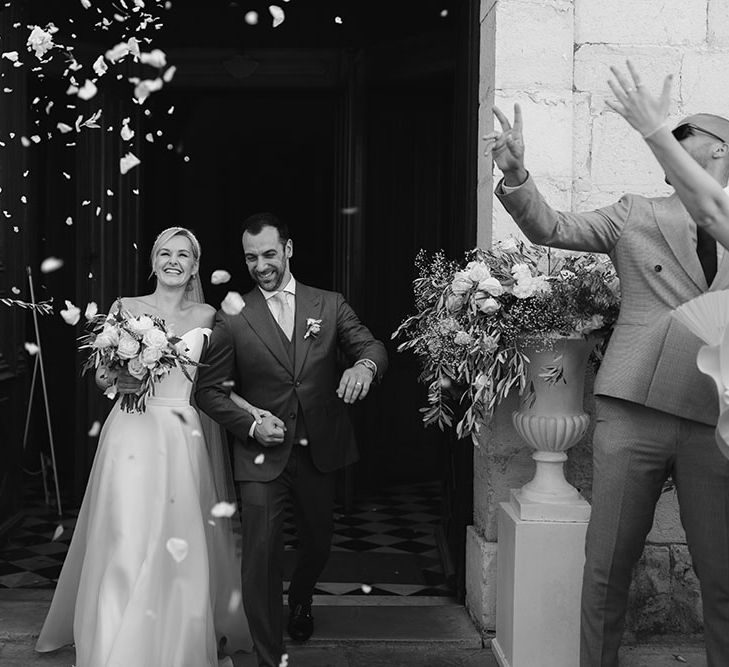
(539, 581)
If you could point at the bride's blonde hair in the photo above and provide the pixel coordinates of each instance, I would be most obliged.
(164, 236)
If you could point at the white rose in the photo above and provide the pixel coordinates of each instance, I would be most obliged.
(492, 286)
(151, 355)
(478, 271)
(136, 368)
(524, 289)
(155, 338)
(520, 271)
(488, 305)
(509, 245)
(461, 283)
(141, 324)
(128, 346)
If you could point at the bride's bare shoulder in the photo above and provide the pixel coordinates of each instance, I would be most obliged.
(204, 314)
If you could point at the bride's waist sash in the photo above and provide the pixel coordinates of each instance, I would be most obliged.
(168, 402)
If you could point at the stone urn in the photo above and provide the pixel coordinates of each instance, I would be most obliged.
(551, 418)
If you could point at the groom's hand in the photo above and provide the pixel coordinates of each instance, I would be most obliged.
(270, 431)
(355, 383)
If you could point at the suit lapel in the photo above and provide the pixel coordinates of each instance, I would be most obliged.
(261, 321)
(673, 220)
(308, 305)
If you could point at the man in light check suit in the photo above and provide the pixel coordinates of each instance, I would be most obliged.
(656, 412)
(282, 352)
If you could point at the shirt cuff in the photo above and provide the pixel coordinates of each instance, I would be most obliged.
(252, 429)
(368, 363)
(508, 189)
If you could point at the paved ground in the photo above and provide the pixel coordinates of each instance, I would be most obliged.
(381, 636)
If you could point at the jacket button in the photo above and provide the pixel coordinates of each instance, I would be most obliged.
(658, 268)
(298, 383)
(292, 415)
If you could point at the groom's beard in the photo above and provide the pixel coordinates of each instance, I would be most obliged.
(273, 283)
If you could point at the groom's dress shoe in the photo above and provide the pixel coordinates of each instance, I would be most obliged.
(301, 622)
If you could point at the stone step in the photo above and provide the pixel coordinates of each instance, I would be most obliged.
(360, 620)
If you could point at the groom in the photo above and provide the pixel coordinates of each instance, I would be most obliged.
(281, 352)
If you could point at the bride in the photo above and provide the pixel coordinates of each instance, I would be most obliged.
(151, 579)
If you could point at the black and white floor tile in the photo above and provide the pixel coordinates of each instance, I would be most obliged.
(385, 546)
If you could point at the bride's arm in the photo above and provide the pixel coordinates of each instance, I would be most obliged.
(257, 413)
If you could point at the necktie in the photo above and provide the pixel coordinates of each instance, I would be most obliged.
(706, 250)
(285, 316)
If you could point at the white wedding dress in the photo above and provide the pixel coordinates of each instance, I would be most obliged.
(151, 578)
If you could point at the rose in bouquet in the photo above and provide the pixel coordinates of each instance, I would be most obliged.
(141, 344)
(473, 321)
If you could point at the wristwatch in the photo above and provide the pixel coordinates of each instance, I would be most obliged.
(368, 364)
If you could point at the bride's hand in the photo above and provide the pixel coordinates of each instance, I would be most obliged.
(127, 383)
(634, 103)
(257, 413)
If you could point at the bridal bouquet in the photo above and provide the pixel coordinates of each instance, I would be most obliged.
(472, 321)
(142, 344)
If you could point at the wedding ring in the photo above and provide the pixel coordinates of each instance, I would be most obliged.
(357, 384)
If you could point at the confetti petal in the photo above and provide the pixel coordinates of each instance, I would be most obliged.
(31, 348)
(100, 66)
(57, 533)
(63, 128)
(12, 56)
(50, 264)
(366, 589)
(260, 458)
(233, 303)
(223, 509)
(156, 58)
(278, 15)
(129, 161)
(235, 600)
(86, 4)
(88, 90)
(178, 548)
(219, 277)
(71, 314)
(251, 18)
(91, 310)
(94, 430)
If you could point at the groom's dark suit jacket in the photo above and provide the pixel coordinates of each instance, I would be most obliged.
(293, 381)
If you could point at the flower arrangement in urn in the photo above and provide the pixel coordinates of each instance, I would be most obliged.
(473, 322)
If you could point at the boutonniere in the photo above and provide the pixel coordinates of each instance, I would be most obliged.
(313, 327)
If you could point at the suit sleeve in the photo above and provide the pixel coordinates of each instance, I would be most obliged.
(214, 382)
(356, 340)
(594, 231)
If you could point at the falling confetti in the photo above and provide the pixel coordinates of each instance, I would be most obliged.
(71, 314)
(223, 509)
(278, 15)
(260, 458)
(156, 58)
(129, 161)
(178, 548)
(91, 310)
(94, 430)
(284, 660)
(100, 66)
(235, 600)
(366, 589)
(57, 533)
(251, 18)
(233, 303)
(69, 221)
(31, 348)
(50, 264)
(219, 277)
(88, 90)
(12, 56)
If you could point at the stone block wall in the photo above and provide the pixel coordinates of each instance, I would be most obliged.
(553, 57)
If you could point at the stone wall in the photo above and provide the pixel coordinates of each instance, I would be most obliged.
(553, 57)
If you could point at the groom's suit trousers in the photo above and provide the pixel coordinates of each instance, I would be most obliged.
(635, 449)
(263, 510)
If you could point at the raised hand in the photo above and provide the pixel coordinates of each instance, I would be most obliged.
(634, 103)
(506, 148)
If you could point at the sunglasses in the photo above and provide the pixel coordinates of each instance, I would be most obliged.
(689, 130)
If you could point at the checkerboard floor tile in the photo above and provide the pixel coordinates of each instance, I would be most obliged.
(385, 546)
